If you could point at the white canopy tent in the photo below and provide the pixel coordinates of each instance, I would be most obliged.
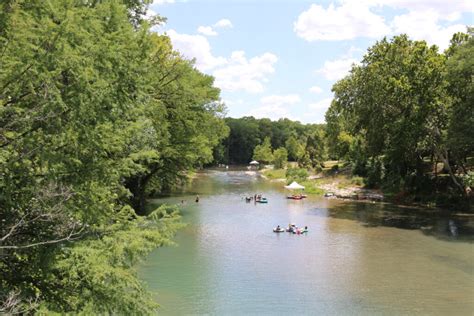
(294, 186)
(254, 162)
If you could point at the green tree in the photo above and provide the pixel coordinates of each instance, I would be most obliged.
(294, 148)
(263, 152)
(280, 158)
(96, 112)
(460, 74)
(396, 100)
(296, 174)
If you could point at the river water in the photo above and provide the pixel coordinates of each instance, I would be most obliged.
(357, 259)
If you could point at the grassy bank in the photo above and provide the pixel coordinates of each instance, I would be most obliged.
(319, 183)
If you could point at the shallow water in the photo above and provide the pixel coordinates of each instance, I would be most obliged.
(357, 259)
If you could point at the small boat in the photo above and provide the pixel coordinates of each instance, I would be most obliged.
(294, 197)
(262, 200)
(278, 230)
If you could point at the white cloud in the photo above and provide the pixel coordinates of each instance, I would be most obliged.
(275, 107)
(236, 73)
(223, 23)
(443, 6)
(430, 20)
(315, 89)
(210, 30)
(317, 111)
(195, 46)
(158, 2)
(233, 102)
(424, 25)
(344, 22)
(242, 74)
(321, 105)
(336, 69)
(206, 30)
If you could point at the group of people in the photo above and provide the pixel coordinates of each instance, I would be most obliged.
(256, 197)
(292, 228)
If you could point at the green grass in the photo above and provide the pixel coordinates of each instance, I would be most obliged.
(311, 188)
(275, 174)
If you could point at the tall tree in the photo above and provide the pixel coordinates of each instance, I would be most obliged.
(263, 152)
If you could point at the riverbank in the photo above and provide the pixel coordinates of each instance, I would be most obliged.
(341, 185)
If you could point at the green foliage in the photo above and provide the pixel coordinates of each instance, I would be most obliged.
(315, 153)
(263, 152)
(295, 148)
(96, 113)
(358, 181)
(84, 277)
(280, 158)
(310, 187)
(375, 173)
(243, 137)
(247, 132)
(460, 74)
(468, 179)
(296, 174)
(275, 173)
(405, 102)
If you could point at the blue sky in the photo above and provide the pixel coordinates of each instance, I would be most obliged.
(280, 58)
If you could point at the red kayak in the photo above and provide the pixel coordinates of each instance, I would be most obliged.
(295, 197)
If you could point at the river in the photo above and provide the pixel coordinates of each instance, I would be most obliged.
(357, 259)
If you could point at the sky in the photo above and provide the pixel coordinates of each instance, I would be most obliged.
(280, 58)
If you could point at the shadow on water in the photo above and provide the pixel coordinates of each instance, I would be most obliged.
(431, 222)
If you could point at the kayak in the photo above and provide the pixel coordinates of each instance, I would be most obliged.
(294, 197)
(281, 230)
(262, 200)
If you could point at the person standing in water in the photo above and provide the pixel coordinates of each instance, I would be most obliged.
(197, 198)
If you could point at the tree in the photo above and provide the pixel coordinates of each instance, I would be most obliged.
(96, 113)
(395, 100)
(294, 148)
(280, 158)
(460, 71)
(243, 137)
(263, 152)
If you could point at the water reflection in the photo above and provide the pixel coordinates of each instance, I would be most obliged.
(430, 222)
(358, 258)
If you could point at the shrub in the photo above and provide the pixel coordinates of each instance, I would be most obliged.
(296, 174)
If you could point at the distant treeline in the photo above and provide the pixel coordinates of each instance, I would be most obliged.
(248, 132)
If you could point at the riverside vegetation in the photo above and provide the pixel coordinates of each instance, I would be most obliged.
(98, 113)
(402, 120)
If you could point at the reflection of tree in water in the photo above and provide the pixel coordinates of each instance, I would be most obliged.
(432, 223)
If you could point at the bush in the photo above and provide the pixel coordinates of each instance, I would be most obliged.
(375, 173)
(296, 174)
(280, 158)
(357, 180)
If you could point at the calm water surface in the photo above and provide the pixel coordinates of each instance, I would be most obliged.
(357, 259)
